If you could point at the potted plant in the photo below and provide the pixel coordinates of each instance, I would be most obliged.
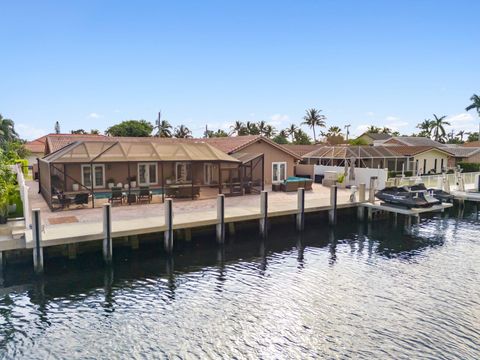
(341, 181)
(169, 180)
(133, 181)
(111, 183)
(75, 187)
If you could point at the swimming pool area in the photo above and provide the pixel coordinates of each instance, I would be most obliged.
(107, 194)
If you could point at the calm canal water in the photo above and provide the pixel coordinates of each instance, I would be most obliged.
(357, 292)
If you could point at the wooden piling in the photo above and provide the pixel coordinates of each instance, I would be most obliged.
(220, 228)
(301, 209)
(37, 241)
(361, 192)
(168, 235)
(134, 242)
(264, 213)
(107, 234)
(188, 234)
(231, 228)
(332, 213)
(72, 251)
(371, 194)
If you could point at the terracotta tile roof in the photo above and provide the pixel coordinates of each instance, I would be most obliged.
(37, 145)
(376, 136)
(472, 144)
(301, 150)
(57, 141)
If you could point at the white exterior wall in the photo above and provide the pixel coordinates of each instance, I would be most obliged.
(430, 157)
(362, 175)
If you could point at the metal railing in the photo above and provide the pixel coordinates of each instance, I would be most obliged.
(434, 181)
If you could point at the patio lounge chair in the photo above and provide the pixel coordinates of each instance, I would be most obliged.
(145, 194)
(64, 200)
(117, 195)
(81, 199)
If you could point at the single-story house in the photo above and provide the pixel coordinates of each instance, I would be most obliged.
(301, 150)
(374, 138)
(475, 143)
(424, 159)
(170, 169)
(279, 161)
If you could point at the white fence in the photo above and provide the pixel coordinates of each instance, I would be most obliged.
(23, 188)
(362, 175)
(435, 181)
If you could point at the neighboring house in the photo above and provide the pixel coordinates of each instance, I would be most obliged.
(301, 150)
(279, 161)
(374, 138)
(424, 159)
(366, 157)
(36, 148)
(463, 154)
(472, 144)
(412, 141)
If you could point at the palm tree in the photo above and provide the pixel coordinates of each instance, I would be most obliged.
(438, 128)
(314, 118)
(291, 130)
(372, 129)
(95, 132)
(284, 133)
(238, 128)
(182, 132)
(7, 130)
(269, 131)
(164, 129)
(261, 125)
(461, 134)
(252, 128)
(426, 127)
(475, 104)
(334, 131)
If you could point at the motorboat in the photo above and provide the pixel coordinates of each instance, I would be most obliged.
(416, 196)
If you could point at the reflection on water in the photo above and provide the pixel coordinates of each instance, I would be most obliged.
(359, 290)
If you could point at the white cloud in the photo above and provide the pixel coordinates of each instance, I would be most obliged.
(391, 118)
(29, 132)
(278, 119)
(463, 121)
(94, 115)
(370, 113)
(396, 125)
(360, 129)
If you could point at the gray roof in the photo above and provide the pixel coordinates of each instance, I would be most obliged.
(460, 151)
(377, 136)
(417, 141)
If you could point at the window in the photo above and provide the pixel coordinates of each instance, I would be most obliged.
(147, 173)
(435, 166)
(425, 170)
(98, 175)
(441, 165)
(279, 171)
(183, 172)
(208, 173)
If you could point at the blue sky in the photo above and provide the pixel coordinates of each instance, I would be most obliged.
(91, 64)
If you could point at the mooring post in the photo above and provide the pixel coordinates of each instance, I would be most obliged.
(107, 233)
(134, 242)
(168, 234)
(371, 194)
(361, 199)
(264, 213)
(37, 241)
(188, 234)
(370, 214)
(332, 213)
(301, 209)
(220, 218)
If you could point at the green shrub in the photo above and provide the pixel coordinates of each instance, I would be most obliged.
(24, 164)
(469, 167)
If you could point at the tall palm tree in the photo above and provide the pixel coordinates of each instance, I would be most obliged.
(269, 131)
(313, 118)
(284, 133)
(7, 130)
(475, 104)
(438, 127)
(238, 128)
(182, 132)
(261, 125)
(291, 130)
(426, 127)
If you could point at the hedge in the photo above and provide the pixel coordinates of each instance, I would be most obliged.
(469, 167)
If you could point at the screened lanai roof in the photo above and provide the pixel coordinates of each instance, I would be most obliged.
(348, 152)
(125, 150)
